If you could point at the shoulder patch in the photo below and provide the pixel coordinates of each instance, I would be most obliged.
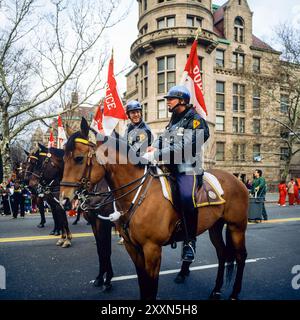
(196, 123)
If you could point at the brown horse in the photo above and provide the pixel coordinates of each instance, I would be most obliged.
(148, 226)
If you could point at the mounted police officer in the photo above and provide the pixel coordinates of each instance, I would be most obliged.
(138, 133)
(181, 145)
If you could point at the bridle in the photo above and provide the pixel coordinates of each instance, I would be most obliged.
(84, 183)
(33, 157)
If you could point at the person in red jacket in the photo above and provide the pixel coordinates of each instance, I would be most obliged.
(296, 192)
(282, 193)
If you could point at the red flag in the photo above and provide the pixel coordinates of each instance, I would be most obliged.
(51, 140)
(191, 78)
(61, 135)
(97, 120)
(113, 108)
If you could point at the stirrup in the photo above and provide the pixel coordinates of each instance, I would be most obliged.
(189, 255)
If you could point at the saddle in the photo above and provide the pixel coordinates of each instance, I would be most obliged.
(209, 194)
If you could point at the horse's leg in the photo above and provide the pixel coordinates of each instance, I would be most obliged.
(152, 254)
(65, 228)
(184, 272)
(138, 259)
(102, 233)
(238, 242)
(216, 237)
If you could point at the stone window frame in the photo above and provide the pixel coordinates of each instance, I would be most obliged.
(256, 100)
(238, 61)
(144, 79)
(162, 107)
(239, 30)
(220, 151)
(239, 152)
(145, 111)
(222, 65)
(165, 20)
(196, 21)
(238, 96)
(220, 123)
(256, 126)
(239, 125)
(284, 103)
(256, 67)
(284, 153)
(165, 72)
(256, 153)
(220, 94)
(144, 29)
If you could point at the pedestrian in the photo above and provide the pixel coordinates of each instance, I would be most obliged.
(259, 189)
(282, 189)
(248, 185)
(296, 192)
(291, 192)
(27, 201)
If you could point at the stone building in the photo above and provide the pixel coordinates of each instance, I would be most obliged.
(243, 137)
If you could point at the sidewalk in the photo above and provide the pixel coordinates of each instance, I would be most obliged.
(272, 197)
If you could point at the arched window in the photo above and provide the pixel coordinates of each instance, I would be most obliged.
(239, 29)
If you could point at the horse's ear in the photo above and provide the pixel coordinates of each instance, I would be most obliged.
(84, 126)
(69, 131)
(43, 148)
(26, 152)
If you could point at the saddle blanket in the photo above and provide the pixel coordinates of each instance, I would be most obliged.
(209, 194)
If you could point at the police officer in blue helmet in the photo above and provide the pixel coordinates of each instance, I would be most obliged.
(186, 131)
(138, 133)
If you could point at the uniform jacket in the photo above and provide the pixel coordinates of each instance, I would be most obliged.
(188, 131)
(139, 137)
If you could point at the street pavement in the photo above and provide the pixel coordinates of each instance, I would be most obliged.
(37, 269)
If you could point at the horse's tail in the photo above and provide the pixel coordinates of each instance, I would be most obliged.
(230, 256)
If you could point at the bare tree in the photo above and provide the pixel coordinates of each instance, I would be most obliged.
(47, 49)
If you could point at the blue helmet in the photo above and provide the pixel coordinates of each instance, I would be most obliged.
(133, 105)
(179, 92)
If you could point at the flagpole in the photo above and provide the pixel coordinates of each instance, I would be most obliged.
(198, 33)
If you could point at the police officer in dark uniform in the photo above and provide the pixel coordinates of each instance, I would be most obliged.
(181, 145)
(138, 133)
(19, 200)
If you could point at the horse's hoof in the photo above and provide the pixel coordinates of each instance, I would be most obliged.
(180, 278)
(232, 298)
(60, 242)
(215, 296)
(66, 244)
(98, 283)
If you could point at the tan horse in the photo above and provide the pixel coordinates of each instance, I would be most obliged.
(153, 222)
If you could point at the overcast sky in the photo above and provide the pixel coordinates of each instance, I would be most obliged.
(267, 14)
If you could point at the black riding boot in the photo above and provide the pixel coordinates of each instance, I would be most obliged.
(189, 245)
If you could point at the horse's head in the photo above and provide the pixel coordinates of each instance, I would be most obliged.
(81, 169)
(33, 163)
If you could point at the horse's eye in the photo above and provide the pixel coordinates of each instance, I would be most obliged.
(79, 159)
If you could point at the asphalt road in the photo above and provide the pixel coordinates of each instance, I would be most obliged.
(37, 269)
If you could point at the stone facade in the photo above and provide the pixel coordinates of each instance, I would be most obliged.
(230, 57)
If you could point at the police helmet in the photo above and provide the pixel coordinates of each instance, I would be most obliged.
(133, 105)
(179, 92)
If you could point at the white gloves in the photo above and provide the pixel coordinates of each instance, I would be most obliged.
(149, 156)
